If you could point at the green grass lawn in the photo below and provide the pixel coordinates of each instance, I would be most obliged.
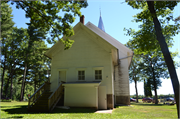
(140, 110)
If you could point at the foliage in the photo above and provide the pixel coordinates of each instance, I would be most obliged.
(5, 100)
(6, 20)
(23, 60)
(16, 51)
(159, 13)
(145, 38)
(45, 15)
(6, 30)
(147, 88)
(161, 96)
(136, 65)
(159, 65)
(135, 73)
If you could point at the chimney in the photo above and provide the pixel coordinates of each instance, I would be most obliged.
(82, 19)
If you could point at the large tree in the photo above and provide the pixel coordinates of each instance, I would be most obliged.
(135, 73)
(6, 30)
(147, 88)
(46, 15)
(34, 35)
(155, 69)
(151, 11)
(16, 52)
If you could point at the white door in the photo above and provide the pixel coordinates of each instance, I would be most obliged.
(102, 103)
(62, 76)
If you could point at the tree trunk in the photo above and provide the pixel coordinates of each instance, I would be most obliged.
(25, 70)
(166, 54)
(11, 89)
(34, 86)
(12, 72)
(7, 88)
(155, 86)
(22, 87)
(136, 91)
(2, 79)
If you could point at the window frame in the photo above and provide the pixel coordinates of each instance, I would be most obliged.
(81, 75)
(77, 73)
(94, 74)
(98, 74)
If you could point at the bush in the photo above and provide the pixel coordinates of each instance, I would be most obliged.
(6, 100)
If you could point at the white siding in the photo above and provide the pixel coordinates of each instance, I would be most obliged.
(121, 83)
(86, 54)
(80, 96)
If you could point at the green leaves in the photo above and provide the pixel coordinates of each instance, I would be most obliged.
(45, 15)
(68, 43)
(145, 39)
(6, 20)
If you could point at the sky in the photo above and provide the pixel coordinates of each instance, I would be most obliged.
(116, 16)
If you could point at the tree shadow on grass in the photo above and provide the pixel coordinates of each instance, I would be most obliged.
(16, 117)
(147, 104)
(74, 110)
(24, 110)
(16, 110)
(5, 106)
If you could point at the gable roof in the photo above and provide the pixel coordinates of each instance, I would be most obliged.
(123, 51)
(107, 37)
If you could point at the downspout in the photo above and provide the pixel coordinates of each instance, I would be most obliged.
(131, 61)
(117, 62)
(114, 75)
(122, 58)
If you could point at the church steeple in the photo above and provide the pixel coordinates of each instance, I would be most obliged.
(101, 25)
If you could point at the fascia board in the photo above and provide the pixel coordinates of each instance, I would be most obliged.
(123, 50)
(51, 51)
(108, 38)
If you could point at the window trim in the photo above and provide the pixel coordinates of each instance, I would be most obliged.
(77, 75)
(81, 75)
(97, 68)
(98, 74)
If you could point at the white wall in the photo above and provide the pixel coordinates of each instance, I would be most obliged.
(121, 83)
(80, 96)
(85, 53)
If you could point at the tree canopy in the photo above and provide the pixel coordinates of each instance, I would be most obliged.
(145, 39)
(45, 15)
(158, 12)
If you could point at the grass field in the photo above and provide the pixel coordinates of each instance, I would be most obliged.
(136, 110)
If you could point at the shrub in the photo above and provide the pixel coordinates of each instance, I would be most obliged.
(5, 100)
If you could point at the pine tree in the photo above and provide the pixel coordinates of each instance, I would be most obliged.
(6, 31)
(35, 35)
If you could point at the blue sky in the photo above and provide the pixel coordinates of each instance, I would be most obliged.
(116, 16)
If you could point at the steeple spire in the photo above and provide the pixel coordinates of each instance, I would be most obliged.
(101, 25)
